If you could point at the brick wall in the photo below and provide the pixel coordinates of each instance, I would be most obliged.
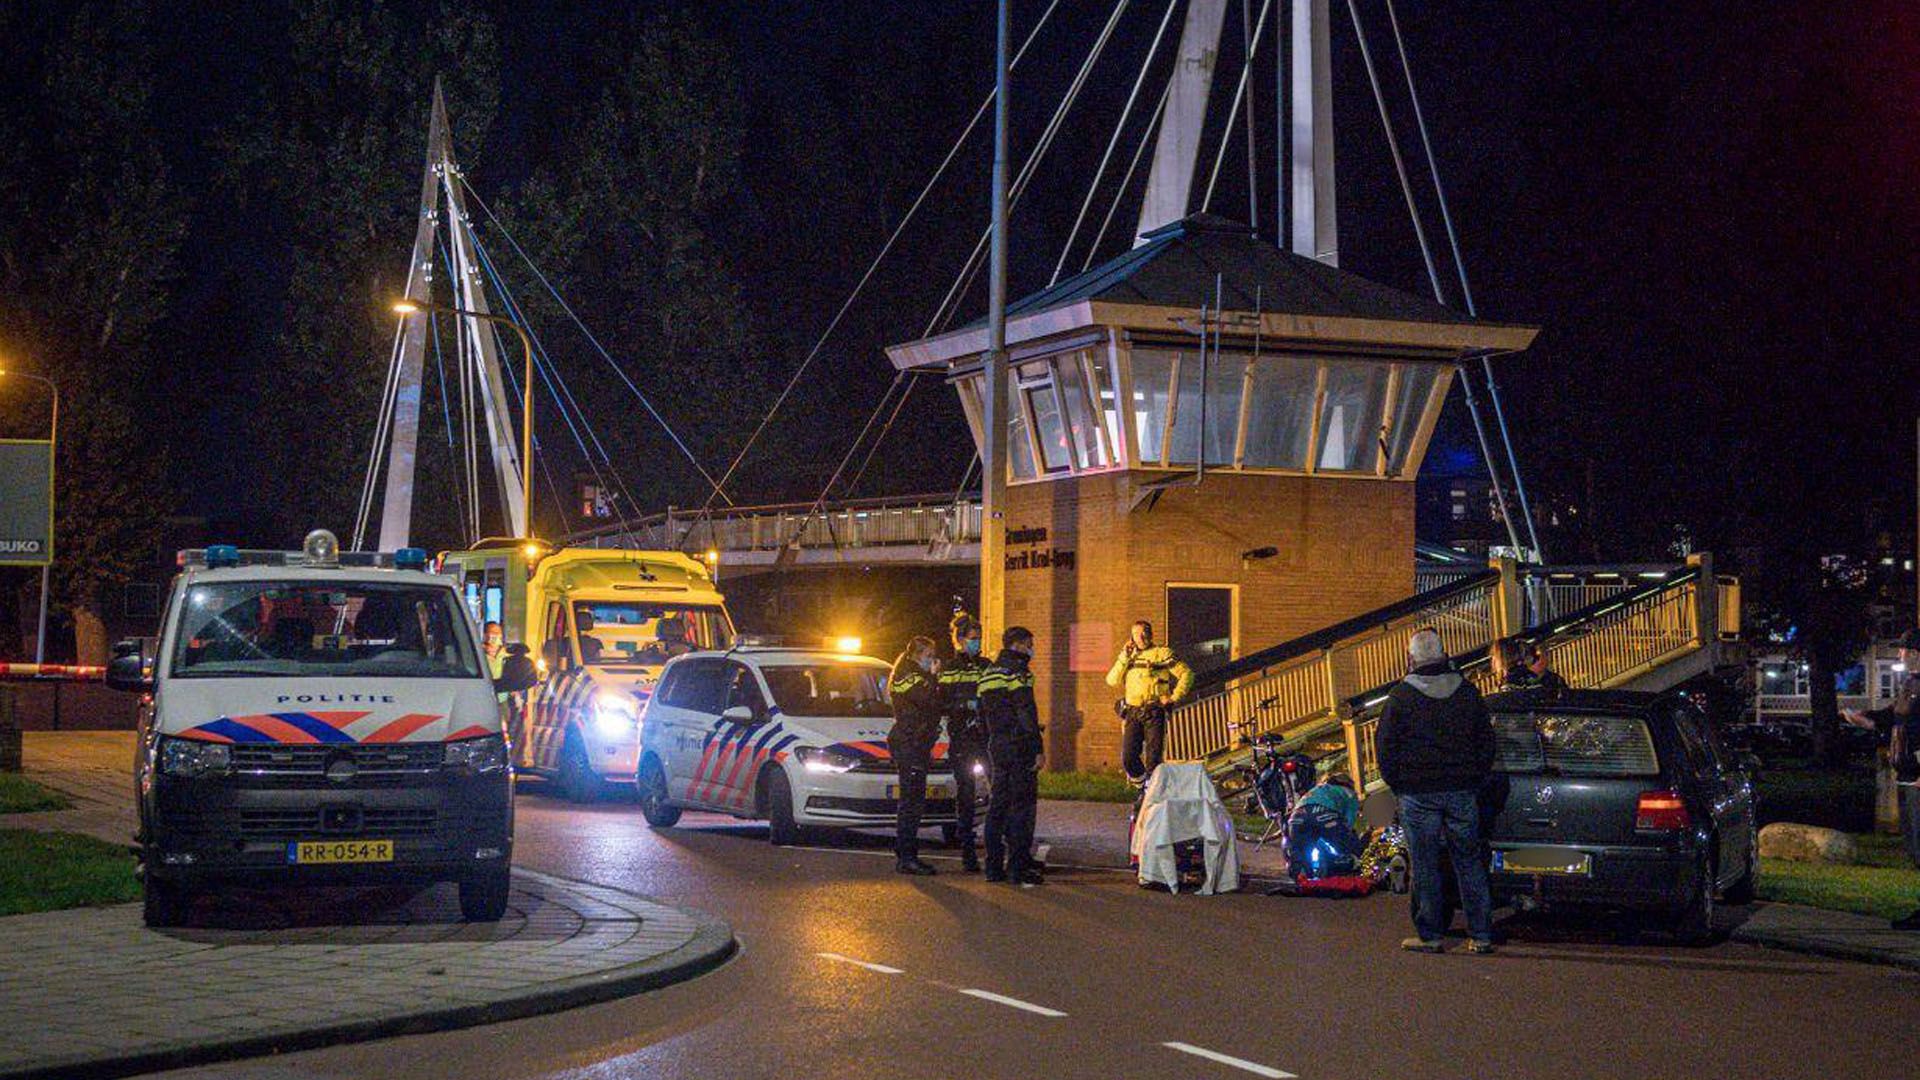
(1345, 546)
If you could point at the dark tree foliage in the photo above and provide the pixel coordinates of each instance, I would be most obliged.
(329, 156)
(90, 224)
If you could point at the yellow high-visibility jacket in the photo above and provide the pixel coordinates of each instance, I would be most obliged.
(1149, 675)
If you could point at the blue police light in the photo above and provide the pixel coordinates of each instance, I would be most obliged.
(222, 555)
(410, 558)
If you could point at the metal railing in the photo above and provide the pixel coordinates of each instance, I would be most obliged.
(918, 520)
(1765, 705)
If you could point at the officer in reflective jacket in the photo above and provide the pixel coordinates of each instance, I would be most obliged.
(966, 737)
(1014, 743)
(1150, 679)
(916, 726)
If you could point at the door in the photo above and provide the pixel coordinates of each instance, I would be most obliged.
(548, 726)
(738, 759)
(1724, 784)
(1201, 624)
(690, 704)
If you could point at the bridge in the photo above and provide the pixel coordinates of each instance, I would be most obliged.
(908, 530)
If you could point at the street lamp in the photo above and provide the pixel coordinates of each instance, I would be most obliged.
(46, 568)
(408, 306)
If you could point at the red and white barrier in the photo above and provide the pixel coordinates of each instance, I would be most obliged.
(63, 672)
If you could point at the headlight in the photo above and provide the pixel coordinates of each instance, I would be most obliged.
(979, 769)
(193, 758)
(615, 714)
(826, 760)
(488, 753)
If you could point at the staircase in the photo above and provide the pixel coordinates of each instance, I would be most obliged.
(1641, 627)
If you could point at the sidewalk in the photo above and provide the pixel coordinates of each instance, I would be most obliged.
(1828, 933)
(95, 769)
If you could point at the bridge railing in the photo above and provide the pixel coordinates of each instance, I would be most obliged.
(919, 520)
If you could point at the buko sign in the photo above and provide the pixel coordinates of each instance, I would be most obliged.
(26, 502)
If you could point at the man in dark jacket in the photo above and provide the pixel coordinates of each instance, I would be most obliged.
(916, 727)
(1522, 665)
(966, 736)
(1014, 745)
(1436, 750)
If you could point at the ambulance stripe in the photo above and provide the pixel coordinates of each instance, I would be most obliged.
(397, 730)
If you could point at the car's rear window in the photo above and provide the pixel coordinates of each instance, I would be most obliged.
(1574, 745)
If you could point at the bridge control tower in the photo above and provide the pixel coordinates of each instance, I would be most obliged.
(1212, 433)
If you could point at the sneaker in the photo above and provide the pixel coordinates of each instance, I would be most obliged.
(1479, 948)
(1911, 922)
(914, 867)
(1030, 878)
(1415, 944)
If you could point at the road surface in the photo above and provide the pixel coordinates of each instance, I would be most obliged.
(849, 971)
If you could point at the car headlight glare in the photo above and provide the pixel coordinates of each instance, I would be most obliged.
(615, 715)
(826, 759)
(192, 758)
(488, 753)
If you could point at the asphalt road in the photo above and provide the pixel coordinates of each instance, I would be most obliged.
(850, 971)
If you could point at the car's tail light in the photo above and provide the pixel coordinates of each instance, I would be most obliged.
(1661, 811)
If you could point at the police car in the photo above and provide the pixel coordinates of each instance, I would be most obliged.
(796, 737)
(315, 717)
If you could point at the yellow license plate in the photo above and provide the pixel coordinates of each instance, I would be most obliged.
(1543, 860)
(934, 791)
(339, 851)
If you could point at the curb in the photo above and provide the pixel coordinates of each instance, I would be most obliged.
(713, 944)
(1787, 942)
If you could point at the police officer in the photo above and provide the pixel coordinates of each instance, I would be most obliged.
(966, 737)
(1150, 679)
(916, 725)
(1014, 743)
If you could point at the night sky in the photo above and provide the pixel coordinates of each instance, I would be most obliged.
(1708, 207)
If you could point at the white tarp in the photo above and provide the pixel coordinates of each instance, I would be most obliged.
(1181, 805)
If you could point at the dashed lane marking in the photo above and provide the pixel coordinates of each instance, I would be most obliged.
(1255, 1068)
(1013, 1003)
(881, 968)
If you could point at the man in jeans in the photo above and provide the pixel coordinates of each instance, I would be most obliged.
(1436, 749)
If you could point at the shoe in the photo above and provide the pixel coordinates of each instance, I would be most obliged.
(969, 862)
(1479, 948)
(1415, 944)
(1911, 922)
(996, 876)
(1030, 878)
(914, 867)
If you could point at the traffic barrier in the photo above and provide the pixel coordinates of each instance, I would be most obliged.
(65, 672)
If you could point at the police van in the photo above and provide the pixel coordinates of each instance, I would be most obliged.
(601, 623)
(793, 736)
(315, 717)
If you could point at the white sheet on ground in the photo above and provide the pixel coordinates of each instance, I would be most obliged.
(1180, 805)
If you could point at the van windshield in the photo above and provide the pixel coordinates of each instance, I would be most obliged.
(1574, 745)
(632, 632)
(829, 689)
(238, 629)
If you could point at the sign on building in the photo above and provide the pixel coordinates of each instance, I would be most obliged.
(26, 502)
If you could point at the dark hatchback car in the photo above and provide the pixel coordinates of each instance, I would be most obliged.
(1620, 800)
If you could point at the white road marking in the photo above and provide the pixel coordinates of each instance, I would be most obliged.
(1016, 1003)
(881, 968)
(1238, 1063)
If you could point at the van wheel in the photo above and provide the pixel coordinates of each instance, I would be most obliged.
(1694, 924)
(164, 903)
(652, 785)
(577, 780)
(781, 828)
(484, 898)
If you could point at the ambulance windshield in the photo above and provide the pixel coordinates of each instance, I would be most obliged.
(240, 629)
(634, 632)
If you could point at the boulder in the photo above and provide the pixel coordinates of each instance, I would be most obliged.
(1807, 843)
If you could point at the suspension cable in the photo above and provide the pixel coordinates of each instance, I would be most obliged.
(1233, 115)
(1466, 289)
(874, 447)
(446, 405)
(389, 392)
(1146, 136)
(1126, 113)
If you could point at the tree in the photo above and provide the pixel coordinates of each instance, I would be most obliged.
(87, 249)
(329, 158)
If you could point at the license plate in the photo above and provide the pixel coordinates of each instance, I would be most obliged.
(1543, 860)
(934, 791)
(339, 851)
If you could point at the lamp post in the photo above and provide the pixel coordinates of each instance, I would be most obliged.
(46, 568)
(409, 306)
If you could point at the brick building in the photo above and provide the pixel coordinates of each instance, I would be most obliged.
(1213, 434)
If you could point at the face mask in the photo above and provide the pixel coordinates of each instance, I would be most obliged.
(971, 646)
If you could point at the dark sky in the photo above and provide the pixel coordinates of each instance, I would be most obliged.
(1707, 206)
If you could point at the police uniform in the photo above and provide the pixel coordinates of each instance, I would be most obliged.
(1144, 676)
(916, 726)
(966, 739)
(1013, 742)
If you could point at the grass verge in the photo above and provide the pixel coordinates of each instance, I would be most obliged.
(19, 795)
(1086, 787)
(46, 871)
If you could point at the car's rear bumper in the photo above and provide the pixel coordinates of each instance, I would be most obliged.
(1626, 877)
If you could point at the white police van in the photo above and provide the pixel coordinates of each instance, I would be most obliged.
(797, 737)
(318, 717)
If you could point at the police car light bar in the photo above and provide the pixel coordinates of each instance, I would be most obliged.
(214, 558)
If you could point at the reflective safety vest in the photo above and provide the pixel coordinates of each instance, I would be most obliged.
(1149, 675)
